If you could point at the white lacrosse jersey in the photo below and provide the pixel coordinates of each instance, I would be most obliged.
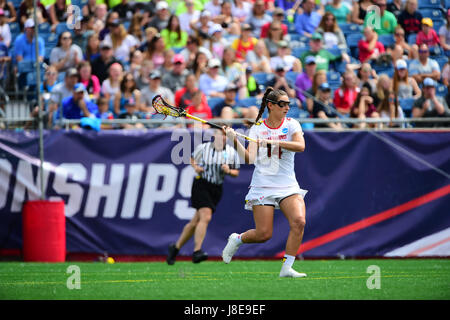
(274, 166)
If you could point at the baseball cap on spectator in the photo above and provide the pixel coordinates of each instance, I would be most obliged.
(249, 69)
(105, 44)
(79, 87)
(155, 74)
(115, 22)
(324, 87)
(162, 5)
(205, 13)
(246, 27)
(316, 36)
(215, 28)
(278, 12)
(214, 63)
(310, 60)
(279, 67)
(71, 72)
(283, 44)
(231, 87)
(29, 23)
(427, 22)
(401, 64)
(178, 58)
(428, 82)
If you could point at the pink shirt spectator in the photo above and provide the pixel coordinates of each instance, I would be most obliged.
(431, 39)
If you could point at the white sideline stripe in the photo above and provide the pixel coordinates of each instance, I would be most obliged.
(439, 250)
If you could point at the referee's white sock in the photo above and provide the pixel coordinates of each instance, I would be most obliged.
(288, 261)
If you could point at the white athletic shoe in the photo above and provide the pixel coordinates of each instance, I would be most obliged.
(231, 247)
(291, 273)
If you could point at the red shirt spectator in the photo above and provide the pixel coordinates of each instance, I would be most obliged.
(198, 108)
(427, 35)
(345, 96)
(370, 47)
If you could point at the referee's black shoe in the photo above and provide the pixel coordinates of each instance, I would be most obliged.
(173, 251)
(199, 256)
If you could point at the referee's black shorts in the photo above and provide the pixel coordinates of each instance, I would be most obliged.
(205, 194)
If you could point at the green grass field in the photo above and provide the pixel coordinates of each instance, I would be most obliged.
(249, 280)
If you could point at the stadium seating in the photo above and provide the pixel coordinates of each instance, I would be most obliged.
(352, 42)
(214, 101)
(435, 4)
(434, 14)
(386, 39)
(412, 39)
(263, 78)
(334, 78)
(441, 90)
(44, 28)
(16, 3)
(291, 76)
(248, 102)
(348, 28)
(441, 60)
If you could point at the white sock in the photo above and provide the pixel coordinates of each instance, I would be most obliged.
(288, 261)
(239, 240)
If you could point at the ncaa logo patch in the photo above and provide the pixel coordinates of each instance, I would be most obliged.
(285, 130)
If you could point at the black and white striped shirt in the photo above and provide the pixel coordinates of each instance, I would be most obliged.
(211, 160)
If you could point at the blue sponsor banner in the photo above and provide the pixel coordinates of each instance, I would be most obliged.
(128, 192)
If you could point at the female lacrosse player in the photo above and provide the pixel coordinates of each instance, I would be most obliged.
(211, 161)
(273, 184)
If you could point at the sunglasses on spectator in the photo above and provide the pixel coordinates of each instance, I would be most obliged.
(399, 34)
(66, 38)
(423, 51)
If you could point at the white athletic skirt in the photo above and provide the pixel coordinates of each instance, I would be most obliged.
(270, 196)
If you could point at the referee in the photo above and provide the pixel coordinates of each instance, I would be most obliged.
(211, 161)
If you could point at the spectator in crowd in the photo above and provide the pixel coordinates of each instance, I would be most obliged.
(368, 75)
(340, 11)
(111, 85)
(211, 83)
(430, 105)
(396, 7)
(77, 106)
(202, 25)
(305, 79)
(427, 35)
(89, 8)
(216, 44)
(274, 36)
(92, 50)
(363, 106)
(359, 11)
(278, 17)
(244, 43)
(253, 87)
(155, 51)
(136, 60)
(142, 80)
(5, 31)
(198, 108)
(384, 84)
(307, 22)
(135, 28)
(390, 109)
(90, 81)
(285, 58)
(226, 18)
(200, 65)
(112, 20)
(167, 65)
(104, 113)
(150, 33)
(333, 37)
(370, 48)
(229, 108)
(323, 57)
(323, 108)
(176, 79)
(444, 33)
(122, 42)
(161, 18)
(241, 9)
(345, 96)
(173, 36)
(100, 16)
(192, 48)
(382, 21)
(259, 58)
(424, 67)
(59, 13)
(50, 79)
(402, 50)
(258, 18)
(9, 12)
(101, 64)
(234, 71)
(279, 82)
(319, 77)
(191, 14)
(410, 18)
(154, 88)
(446, 74)
(124, 9)
(131, 112)
(24, 45)
(65, 54)
(183, 96)
(404, 86)
(26, 10)
(128, 90)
